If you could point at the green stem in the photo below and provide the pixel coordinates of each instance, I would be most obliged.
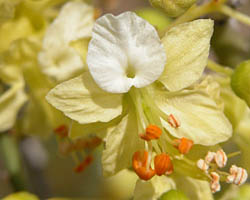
(213, 6)
(226, 10)
(193, 13)
(219, 68)
(11, 157)
(233, 154)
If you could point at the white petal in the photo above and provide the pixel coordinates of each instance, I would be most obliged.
(57, 59)
(125, 51)
(60, 62)
(74, 21)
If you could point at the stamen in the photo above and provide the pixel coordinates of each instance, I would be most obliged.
(140, 162)
(152, 132)
(163, 164)
(221, 158)
(210, 157)
(173, 121)
(215, 183)
(202, 165)
(61, 131)
(86, 162)
(237, 175)
(184, 145)
(89, 143)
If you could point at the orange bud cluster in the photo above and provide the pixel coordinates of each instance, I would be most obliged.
(152, 132)
(61, 131)
(140, 165)
(163, 164)
(184, 145)
(82, 166)
(90, 143)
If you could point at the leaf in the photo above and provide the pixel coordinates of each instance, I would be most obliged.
(240, 81)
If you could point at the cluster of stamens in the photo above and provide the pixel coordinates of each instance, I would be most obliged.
(163, 161)
(215, 160)
(77, 148)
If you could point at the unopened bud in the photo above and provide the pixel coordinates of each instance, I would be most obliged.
(173, 8)
(240, 81)
(174, 195)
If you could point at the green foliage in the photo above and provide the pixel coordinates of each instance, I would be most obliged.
(240, 81)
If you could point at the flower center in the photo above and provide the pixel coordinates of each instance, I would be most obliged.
(130, 72)
(159, 146)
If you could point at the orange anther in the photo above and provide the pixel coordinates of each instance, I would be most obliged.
(140, 162)
(173, 121)
(163, 164)
(184, 145)
(86, 162)
(152, 132)
(89, 143)
(61, 131)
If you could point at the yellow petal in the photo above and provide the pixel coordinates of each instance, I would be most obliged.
(82, 100)
(10, 103)
(201, 119)
(187, 47)
(121, 185)
(153, 189)
(121, 142)
(195, 189)
(14, 30)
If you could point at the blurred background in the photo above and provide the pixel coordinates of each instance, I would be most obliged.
(50, 174)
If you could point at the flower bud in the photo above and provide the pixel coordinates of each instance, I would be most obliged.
(163, 164)
(173, 195)
(240, 81)
(173, 8)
